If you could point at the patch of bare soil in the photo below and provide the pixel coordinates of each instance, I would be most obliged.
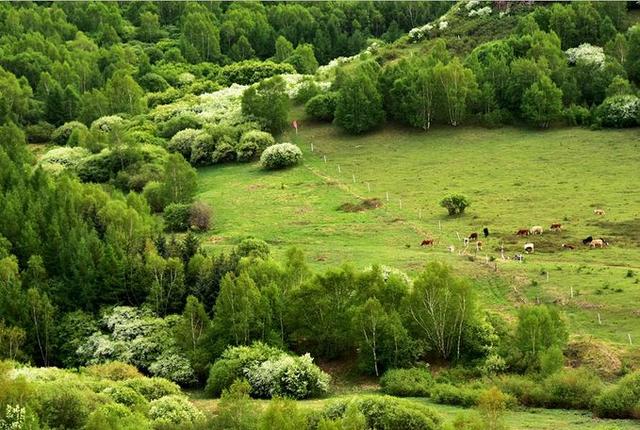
(364, 205)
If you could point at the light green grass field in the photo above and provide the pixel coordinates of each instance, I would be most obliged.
(515, 178)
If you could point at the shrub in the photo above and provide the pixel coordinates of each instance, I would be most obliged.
(225, 152)
(287, 376)
(577, 115)
(448, 394)
(126, 396)
(176, 217)
(619, 111)
(113, 416)
(60, 405)
(455, 204)
(152, 388)
(61, 135)
(181, 122)
(622, 400)
(39, 133)
(269, 371)
(384, 412)
(527, 391)
(152, 82)
(174, 410)
(200, 216)
(183, 141)
(252, 143)
(163, 98)
(280, 156)
(307, 90)
(175, 367)
(155, 195)
(113, 370)
(253, 248)
(572, 389)
(407, 382)
(251, 71)
(322, 107)
(106, 124)
(65, 157)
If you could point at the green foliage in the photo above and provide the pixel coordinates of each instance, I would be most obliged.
(176, 217)
(386, 412)
(113, 416)
(539, 328)
(303, 59)
(267, 102)
(280, 156)
(621, 400)
(152, 388)
(252, 143)
(455, 204)
(448, 394)
(113, 370)
(415, 382)
(126, 396)
(174, 410)
(619, 111)
(322, 107)
(542, 102)
(61, 136)
(359, 103)
(572, 389)
(178, 123)
(251, 71)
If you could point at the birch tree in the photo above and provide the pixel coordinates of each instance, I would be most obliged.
(457, 84)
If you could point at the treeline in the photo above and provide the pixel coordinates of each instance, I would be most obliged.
(555, 67)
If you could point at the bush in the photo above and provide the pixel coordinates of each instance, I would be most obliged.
(202, 150)
(126, 396)
(307, 90)
(113, 370)
(577, 115)
(174, 410)
(65, 157)
(269, 371)
(62, 134)
(455, 204)
(113, 416)
(572, 389)
(622, 400)
(252, 143)
(619, 111)
(176, 217)
(253, 248)
(287, 376)
(384, 412)
(155, 195)
(200, 216)
(39, 133)
(407, 382)
(106, 124)
(251, 71)
(152, 388)
(183, 141)
(448, 394)
(526, 391)
(322, 107)
(280, 156)
(181, 122)
(175, 367)
(152, 82)
(60, 405)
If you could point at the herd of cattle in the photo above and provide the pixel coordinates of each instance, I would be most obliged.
(528, 247)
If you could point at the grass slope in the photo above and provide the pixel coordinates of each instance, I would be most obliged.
(516, 178)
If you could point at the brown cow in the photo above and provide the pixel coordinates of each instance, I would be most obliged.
(598, 243)
(473, 236)
(479, 245)
(523, 232)
(556, 226)
(427, 242)
(599, 211)
(568, 246)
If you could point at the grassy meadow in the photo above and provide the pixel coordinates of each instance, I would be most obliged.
(515, 178)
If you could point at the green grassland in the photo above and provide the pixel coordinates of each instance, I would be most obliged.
(516, 178)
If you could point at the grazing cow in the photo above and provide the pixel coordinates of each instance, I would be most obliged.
(536, 229)
(599, 211)
(528, 247)
(523, 232)
(598, 243)
(518, 257)
(465, 241)
(473, 236)
(427, 242)
(479, 245)
(587, 240)
(485, 231)
(556, 227)
(568, 246)
(451, 248)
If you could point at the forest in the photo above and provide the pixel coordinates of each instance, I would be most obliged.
(118, 310)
